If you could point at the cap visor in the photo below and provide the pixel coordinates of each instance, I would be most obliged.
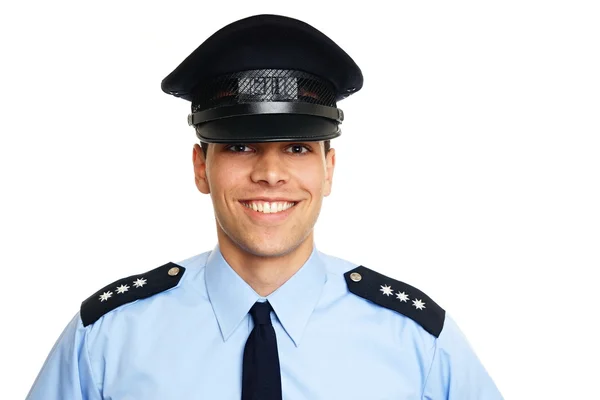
(268, 128)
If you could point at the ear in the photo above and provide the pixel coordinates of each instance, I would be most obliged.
(329, 167)
(200, 170)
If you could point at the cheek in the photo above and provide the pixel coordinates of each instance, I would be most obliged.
(224, 180)
(312, 178)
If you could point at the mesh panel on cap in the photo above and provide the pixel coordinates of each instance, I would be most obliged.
(261, 86)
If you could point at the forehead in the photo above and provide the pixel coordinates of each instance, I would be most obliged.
(312, 144)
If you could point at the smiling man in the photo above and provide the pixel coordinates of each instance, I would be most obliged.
(266, 197)
(264, 315)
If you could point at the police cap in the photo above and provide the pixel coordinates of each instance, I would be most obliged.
(265, 78)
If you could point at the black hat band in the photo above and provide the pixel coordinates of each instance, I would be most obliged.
(263, 85)
(281, 107)
(264, 91)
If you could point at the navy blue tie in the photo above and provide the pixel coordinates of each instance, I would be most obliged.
(261, 376)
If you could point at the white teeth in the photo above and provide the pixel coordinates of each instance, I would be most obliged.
(269, 208)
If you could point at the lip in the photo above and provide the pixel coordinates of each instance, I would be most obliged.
(270, 218)
(269, 199)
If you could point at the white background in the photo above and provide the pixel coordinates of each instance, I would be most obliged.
(468, 167)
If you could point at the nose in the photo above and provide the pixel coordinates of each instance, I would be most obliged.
(270, 167)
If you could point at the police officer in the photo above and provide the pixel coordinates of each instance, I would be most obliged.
(264, 314)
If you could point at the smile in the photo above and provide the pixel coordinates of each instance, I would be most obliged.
(266, 207)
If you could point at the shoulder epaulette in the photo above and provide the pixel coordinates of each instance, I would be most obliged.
(129, 289)
(397, 296)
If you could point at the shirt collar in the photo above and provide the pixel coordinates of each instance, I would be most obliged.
(231, 297)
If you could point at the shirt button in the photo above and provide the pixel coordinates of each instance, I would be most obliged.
(173, 271)
(355, 276)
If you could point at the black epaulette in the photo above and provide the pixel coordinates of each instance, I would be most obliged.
(129, 289)
(397, 296)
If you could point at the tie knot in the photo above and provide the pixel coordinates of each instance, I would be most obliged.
(261, 313)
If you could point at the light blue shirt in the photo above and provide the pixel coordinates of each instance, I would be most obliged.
(187, 343)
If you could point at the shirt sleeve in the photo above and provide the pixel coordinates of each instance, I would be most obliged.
(456, 373)
(66, 373)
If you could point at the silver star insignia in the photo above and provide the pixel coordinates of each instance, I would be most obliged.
(418, 304)
(402, 296)
(105, 296)
(139, 282)
(122, 289)
(387, 290)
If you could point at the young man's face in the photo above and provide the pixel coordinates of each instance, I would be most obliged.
(242, 177)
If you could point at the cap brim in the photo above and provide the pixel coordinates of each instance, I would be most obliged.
(268, 128)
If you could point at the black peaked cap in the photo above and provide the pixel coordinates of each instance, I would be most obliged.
(265, 78)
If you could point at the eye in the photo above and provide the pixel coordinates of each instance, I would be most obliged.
(297, 149)
(238, 148)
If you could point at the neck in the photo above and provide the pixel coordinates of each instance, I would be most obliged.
(264, 273)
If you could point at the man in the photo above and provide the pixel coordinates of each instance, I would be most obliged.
(264, 315)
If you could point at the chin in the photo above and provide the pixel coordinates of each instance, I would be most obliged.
(265, 243)
(268, 248)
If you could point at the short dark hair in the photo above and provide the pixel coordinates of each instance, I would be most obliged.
(326, 145)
